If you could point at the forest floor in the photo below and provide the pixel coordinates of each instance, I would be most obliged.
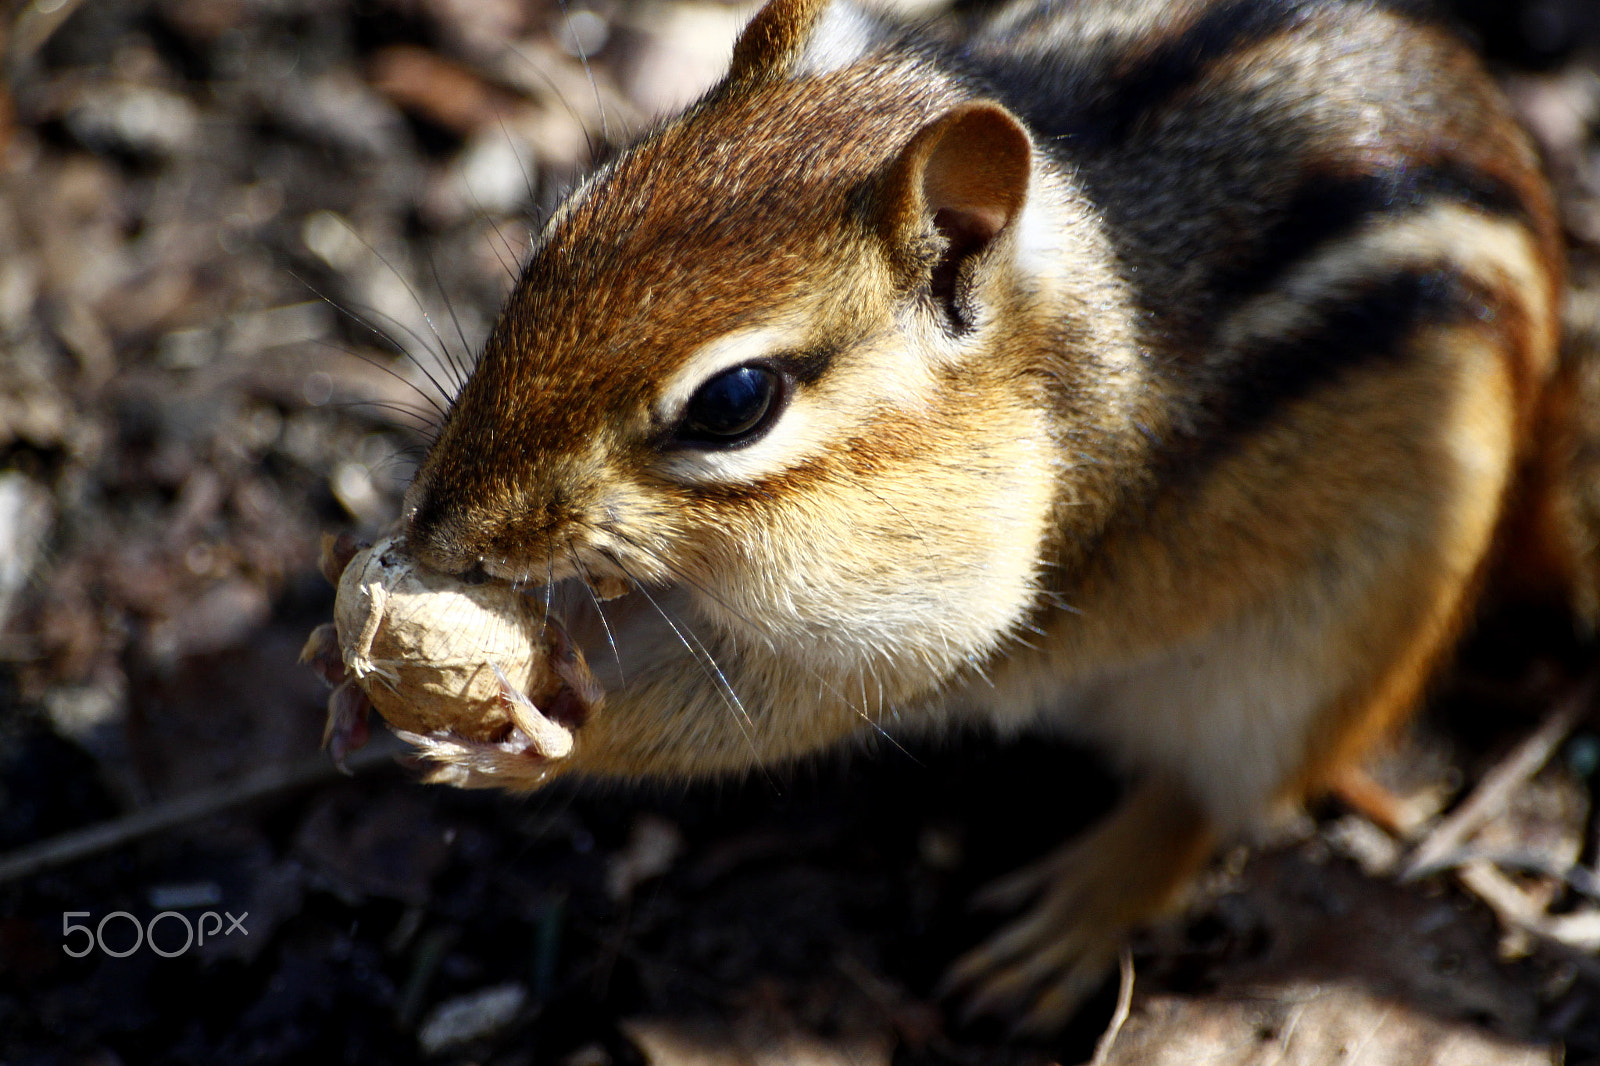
(222, 223)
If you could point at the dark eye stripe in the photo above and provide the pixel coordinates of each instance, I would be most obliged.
(806, 367)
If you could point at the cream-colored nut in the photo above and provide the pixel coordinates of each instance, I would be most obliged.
(437, 654)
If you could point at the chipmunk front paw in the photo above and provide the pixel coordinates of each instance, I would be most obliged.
(425, 650)
(519, 760)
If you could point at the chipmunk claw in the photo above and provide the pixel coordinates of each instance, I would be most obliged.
(1038, 970)
(450, 760)
(1086, 899)
(348, 727)
(335, 553)
(520, 760)
(321, 652)
(541, 735)
(1016, 888)
(1055, 1006)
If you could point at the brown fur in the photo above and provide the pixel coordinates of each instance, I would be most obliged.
(1198, 343)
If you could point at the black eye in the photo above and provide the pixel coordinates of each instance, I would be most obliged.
(732, 408)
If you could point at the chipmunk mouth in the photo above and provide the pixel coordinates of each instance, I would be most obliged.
(614, 623)
(495, 680)
(484, 684)
(590, 573)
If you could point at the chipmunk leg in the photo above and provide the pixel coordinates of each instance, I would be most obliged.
(1088, 897)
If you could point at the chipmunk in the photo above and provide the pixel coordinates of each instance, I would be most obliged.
(1158, 373)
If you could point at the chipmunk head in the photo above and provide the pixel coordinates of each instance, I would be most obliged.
(761, 360)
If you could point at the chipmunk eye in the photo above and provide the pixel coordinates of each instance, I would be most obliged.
(732, 408)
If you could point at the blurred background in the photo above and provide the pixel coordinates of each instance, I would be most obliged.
(245, 247)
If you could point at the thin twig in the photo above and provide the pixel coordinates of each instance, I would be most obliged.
(1515, 909)
(35, 24)
(1580, 879)
(1497, 787)
(168, 814)
(1102, 1049)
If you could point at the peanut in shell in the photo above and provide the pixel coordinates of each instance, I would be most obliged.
(436, 655)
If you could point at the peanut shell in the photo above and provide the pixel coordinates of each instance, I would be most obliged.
(425, 646)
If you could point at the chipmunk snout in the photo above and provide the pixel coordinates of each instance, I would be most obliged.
(506, 527)
(433, 536)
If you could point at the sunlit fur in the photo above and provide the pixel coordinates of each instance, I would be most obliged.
(1176, 360)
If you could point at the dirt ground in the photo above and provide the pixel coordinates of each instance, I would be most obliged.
(237, 240)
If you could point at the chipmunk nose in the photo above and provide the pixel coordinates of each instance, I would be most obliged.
(434, 538)
(474, 540)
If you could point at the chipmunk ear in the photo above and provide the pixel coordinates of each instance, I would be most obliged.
(963, 179)
(774, 42)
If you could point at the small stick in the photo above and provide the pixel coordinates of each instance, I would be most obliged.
(158, 817)
(1102, 1048)
(1492, 793)
(35, 24)
(1579, 879)
(1515, 909)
